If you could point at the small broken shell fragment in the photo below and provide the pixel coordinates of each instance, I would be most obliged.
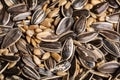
(62, 66)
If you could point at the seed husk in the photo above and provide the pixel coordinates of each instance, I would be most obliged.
(11, 37)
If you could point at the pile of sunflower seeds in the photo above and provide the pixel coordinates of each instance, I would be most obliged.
(59, 39)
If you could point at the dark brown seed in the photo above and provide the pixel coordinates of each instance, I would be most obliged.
(100, 8)
(64, 25)
(38, 16)
(113, 3)
(108, 67)
(102, 26)
(3, 66)
(113, 18)
(30, 73)
(67, 12)
(87, 36)
(9, 58)
(78, 4)
(4, 17)
(18, 8)
(67, 49)
(51, 46)
(111, 35)
(78, 13)
(111, 48)
(80, 25)
(11, 37)
(62, 66)
(27, 59)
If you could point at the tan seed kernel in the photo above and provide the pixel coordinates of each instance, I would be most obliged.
(33, 27)
(88, 6)
(90, 21)
(46, 56)
(38, 30)
(1, 6)
(10, 54)
(93, 15)
(102, 14)
(41, 65)
(101, 19)
(22, 29)
(5, 52)
(36, 60)
(11, 65)
(56, 56)
(62, 2)
(28, 38)
(42, 27)
(47, 22)
(37, 52)
(57, 20)
(90, 29)
(37, 40)
(30, 33)
(61, 73)
(68, 4)
(25, 27)
(29, 17)
(2, 77)
(94, 2)
(43, 34)
(48, 10)
(110, 9)
(45, 7)
(33, 43)
(53, 0)
(53, 13)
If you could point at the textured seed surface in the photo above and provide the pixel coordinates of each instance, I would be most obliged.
(59, 40)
